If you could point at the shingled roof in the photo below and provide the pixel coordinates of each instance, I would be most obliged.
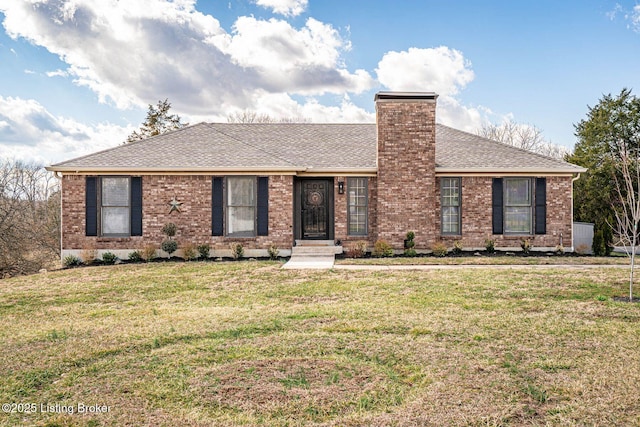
(296, 148)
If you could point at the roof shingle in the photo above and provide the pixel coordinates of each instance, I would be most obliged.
(300, 147)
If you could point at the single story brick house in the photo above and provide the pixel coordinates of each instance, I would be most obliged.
(278, 184)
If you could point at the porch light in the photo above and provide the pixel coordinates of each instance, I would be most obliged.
(340, 187)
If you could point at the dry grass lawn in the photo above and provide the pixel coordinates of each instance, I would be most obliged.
(246, 343)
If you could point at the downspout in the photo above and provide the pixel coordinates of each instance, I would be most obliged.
(58, 176)
(577, 177)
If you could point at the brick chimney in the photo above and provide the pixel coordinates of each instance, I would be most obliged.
(406, 127)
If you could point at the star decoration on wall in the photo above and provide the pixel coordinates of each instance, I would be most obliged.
(175, 205)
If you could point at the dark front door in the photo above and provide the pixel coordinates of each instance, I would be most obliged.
(315, 209)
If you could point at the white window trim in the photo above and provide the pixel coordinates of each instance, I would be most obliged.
(247, 234)
(101, 206)
(530, 206)
(459, 206)
(366, 206)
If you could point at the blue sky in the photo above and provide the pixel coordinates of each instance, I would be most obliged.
(76, 76)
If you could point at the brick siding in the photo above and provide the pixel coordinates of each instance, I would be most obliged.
(406, 171)
(193, 222)
(405, 196)
(477, 215)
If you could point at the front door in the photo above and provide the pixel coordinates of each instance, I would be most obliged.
(315, 197)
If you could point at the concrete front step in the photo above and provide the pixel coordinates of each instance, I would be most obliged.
(322, 247)
(313, 254)
(315, 243)
(315, 250)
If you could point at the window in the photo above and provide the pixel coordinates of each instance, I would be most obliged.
(518, 213)
(450, 202)
(357, 201)
(241, 206)
(115, 206)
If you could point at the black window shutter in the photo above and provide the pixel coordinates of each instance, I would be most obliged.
(541, 206)
(217, 208)
(91, 206)
(496, 203)
(263, 206)
(136, 206)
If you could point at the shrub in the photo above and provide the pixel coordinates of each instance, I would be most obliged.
(357, 249)
(189, 251)
(149, 252)
(169, 229)
(526, 246)
(203, 250)
(273, 252)
(599, 248)
(169, 246)
(409, 243)
(382, 249)
(237, 251)
(71, 261)
(490, 245)
(135, 256)
(89, 255)
(410, 252)
(457, 247)
(109, 258)
(439, 249)
(607, 235)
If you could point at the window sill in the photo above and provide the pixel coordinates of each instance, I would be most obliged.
(114, 238)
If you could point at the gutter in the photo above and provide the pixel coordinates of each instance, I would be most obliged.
(510, 171)
(574, 179)
(59, 170)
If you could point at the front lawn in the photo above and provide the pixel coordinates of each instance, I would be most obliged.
(495, 259)
(246, 343)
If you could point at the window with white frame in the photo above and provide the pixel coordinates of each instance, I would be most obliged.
(357, 202)
(241, 206)
(450, 205)
(518, 206)
(115, 206)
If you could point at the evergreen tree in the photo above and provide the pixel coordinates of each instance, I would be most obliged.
(612, 120)
(158, 121)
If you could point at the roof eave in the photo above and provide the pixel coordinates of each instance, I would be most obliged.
(510, 171)
(202, 171)
(160, 170)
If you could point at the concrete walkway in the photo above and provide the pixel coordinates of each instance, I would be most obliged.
(425, 267)
(310, 263)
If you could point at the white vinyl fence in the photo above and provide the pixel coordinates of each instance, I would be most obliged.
(583, 237)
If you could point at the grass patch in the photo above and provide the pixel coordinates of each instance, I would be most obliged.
(250, 344)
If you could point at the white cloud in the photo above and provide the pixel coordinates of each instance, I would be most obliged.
(613, 12)
(132, 53)
(57, 73)
(452, 113)
(284, 7)
(283, 106)
(285, 59)
(634, 17)
(442, 70)
(29, 132)
(631, 16)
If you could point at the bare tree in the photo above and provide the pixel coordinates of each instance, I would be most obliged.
(526, 137)
(29, 218)
(250, 116)
(626, 205)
